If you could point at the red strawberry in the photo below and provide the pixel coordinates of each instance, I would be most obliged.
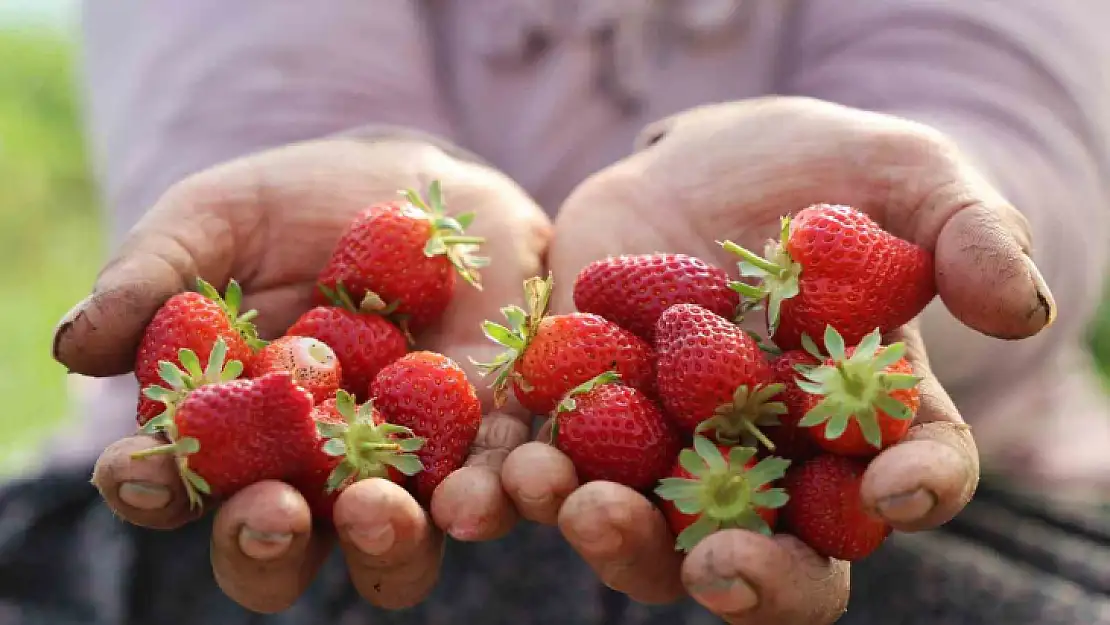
(615, 433)
(363, 342)
(712, 375)
(633, 291)
(714, 487)
(430, 394)
(792, 441)
(862, 399)
(229, 435)
(193, 321)
(548, 355)
(825, 510)
(835, 266)
(313, 364)
(407, 253)
(355, 444)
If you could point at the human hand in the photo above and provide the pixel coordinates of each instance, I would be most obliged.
(729, 171)
(270, 221)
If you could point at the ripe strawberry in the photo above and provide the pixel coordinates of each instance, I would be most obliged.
(835, 266)
(355, 444)
(632, 291)
(615, 433)
(548, 355)
(863, 399)
(714, 487)
(193, 320)
(228, 435)
(712, 375)
(825, 511)
(313, 364)
(364, 342)
(791, 441)
(430, 394)
(407, 253)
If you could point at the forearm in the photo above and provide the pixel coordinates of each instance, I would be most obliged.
(1018, 86)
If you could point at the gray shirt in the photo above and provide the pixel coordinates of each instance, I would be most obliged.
(553, 90)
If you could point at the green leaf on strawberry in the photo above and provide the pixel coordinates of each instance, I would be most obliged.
(776, 272)
(448, 237)
(521, 325)
(726, 489)
(859, 387)
(179, 381)
(367, 445)
(738, 421)
(231, 302)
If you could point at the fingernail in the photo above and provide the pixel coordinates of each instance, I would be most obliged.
(263, 545)
(144, 495)
(726, 596)
(1045, 301)
(598, 538)
(907, 507)
(535, 499)
(465, 531)
(374, 540)
(66, 321)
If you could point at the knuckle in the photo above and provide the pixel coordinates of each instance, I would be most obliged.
(500, 433)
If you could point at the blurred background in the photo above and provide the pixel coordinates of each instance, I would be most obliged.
(49, 221)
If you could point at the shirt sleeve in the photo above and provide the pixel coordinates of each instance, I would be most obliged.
(174, 87)
(1020, 85)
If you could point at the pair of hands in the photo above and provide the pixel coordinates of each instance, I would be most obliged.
(719, 172)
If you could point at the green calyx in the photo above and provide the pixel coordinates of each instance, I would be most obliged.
(180, 381)
(857, 387)
(231, 302)
(366, 447)
(522, 326)
(776, 273)
(371, 304)
(448, 237)
(739, 420)
(723, 493)
(569, 402)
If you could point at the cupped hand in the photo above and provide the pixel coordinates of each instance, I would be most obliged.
(270, 221)
(729, 171)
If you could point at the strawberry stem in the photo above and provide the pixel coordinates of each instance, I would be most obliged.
(366, 446)
(776, 271)
(723, 492)
(448, 237)
(856, 387)
(522, 325)
(738, 421)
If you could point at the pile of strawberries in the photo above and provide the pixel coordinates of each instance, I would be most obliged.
(340, 397)
(654, 384)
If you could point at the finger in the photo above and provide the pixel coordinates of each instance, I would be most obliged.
(392, 550)
(930, 476)
(471, 504)
(751, 579)
(264, 553)
(148, 491)
(625, 540)
(538, 478)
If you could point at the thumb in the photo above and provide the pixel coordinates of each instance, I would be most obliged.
(160, 257)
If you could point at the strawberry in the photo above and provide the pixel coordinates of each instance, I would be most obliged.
(835, 266)
(714, 487)
(548, 355)
(313, 364)
(632, 291)
(364, 342)
(615, 433)
(228, 435)
(712, 375)
(792, 441)
(407, 253)
(825, 510)
(862, 399)
(355, 444)
(193, 320)
(430, 394)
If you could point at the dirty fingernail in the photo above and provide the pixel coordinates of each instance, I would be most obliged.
(144, 495)
(375, 539)
(726, 596)
(263, 545)
(907, 507)
(1046, 303)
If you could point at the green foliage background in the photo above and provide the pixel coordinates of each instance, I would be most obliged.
(50, 235)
